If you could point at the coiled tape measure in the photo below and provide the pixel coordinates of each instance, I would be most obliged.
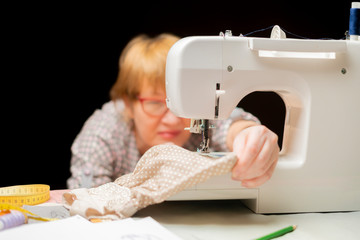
(25, 194)
(14, 197)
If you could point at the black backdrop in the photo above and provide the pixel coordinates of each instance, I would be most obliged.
(61, 60)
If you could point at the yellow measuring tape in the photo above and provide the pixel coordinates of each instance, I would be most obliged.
(25, 194)
(14, 197)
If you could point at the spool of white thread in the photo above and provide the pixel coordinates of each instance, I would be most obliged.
(13, 219)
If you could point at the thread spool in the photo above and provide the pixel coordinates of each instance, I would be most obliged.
(12, 219)
(354, 22)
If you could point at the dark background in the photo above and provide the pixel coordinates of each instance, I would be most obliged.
(60, 61)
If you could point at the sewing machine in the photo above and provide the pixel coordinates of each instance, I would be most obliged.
(319, 83)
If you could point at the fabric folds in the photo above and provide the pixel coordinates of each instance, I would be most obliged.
(162, 171)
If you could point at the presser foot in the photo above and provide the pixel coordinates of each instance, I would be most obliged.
(201, 126)
(212, 154)
(204, 145)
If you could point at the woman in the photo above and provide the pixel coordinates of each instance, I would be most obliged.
(114, 138)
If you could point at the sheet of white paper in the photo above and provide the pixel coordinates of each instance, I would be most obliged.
(77, 227)
(143, 229)
(55, 230)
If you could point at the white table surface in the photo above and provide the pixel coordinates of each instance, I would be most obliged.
(206, 220)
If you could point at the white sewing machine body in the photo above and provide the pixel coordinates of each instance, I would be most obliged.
(319, 82)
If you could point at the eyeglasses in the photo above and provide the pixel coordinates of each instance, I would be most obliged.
(153, 107)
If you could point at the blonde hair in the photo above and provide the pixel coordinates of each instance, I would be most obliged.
(142, 62)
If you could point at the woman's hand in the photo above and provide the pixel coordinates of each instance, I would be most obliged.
(258, 152)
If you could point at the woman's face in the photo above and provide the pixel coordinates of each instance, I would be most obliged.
(153, 123)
